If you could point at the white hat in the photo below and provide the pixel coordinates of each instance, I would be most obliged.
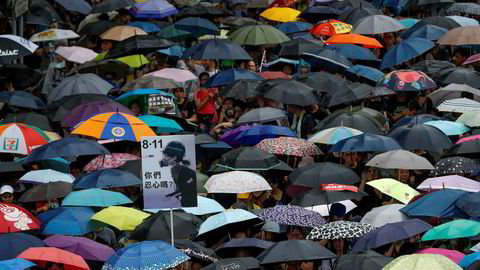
(6, 189)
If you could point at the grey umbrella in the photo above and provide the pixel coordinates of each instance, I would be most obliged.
(377, 24)
(363, 260)
(295, 250)
(261, 115)
(400, 159)
(79, 84)
(453, 91)
(42, 13)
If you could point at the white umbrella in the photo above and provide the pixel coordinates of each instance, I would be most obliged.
(400, 159)
(76, 54)
(236, 182)
(450, 181)
(382, 215)
(205, 206)
(46, 176)
(53, 34)
(324, 210)
(471, 119)
(459, 105)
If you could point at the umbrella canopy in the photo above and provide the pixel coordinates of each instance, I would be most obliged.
(360, 119)
(405, 51)
(236, 182)
(197, 26)
(288, 92)
(196, 251)
(469, 204)
(327, 59)
(41, 255)
(231, 75)
(106, 178)
(357, 13)
(448, 127)
(454, 229)
(440, 203)
(261, 115)
(295, 250)
(111, 5)
(216, 49)
(227, 221)
(454, 165)
(241, 263)
(39, 121)
(120, 33)
(21, 139)
(430, 32)
(363, 260)
(68, 221)
(294, 27)
(395, 189)
(14, 47)
(79, 84)
(63, 107)
(457, 75)
(289, 146)
(366, 143)
(400, 159)
(329, 194)
(22, 99)
(470, 119)
(364, 41)
(76, 54)
(46, 176)
(19, 264)
(407, 80)
(257, 133)
(137, 45)
(466, 35)
(296, 47)
(292, 215)
(75, 6)
(430, 67)
(280, 14)
(248, 158)
(422, 137)
(95, 197)
(46, 192)
(453, 91)
(331, 28)
(420, 261)
(84, 247)
(469, 148)
(469, 260)
(459, 105)
(254, 245)
(242, 90)
(205, 205)
(333, 135)
(453, 255)
(391, 233)
(161, 124)
(158, 226)
(319, 13)
(122, 218)
(354, 52)
(146, 26)
(12, 244)
(111, 161)
(154, 9)
(377, 24)
(153, 254)
(340, 230)
(385, 214)
(53, 34)
(258, 35)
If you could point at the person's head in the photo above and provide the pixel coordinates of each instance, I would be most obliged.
(6, 194)
(203, 78)
(54, 266)
(124, 16)
(371, 173)
(251, 66)
(287, 69)
(459, 56)
(230, 113)
(179, 93)
(403, 175)
(174, 153)
(135, 107)
(227, 103)
(337, 212)
(413, 107)
(106, 45)
(389, 39)
(294, 233)
(350, 159)
(304, 67)
(339, 246)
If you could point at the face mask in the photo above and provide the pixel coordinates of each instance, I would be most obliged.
(164, 163)
(59, 64)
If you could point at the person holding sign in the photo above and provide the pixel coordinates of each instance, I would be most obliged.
(183, 176)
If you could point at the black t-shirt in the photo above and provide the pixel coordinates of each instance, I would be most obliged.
(187, 109)
(185, 181)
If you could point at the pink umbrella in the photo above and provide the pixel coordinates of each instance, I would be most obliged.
(175, 74)
(453, 255)
(76, 54)
(111, 161)
(472, 59)
(467, 139)
(450, 181)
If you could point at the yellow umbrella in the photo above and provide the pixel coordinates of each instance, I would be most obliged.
(281, 14)
(395, 189)
(134, 61)
(52, 136)
(122, 218)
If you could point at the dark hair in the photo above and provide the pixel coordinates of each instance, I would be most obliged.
(204, 74)
(177, 150)
(50, 264)
(462, 51)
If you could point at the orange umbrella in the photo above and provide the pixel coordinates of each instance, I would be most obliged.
(119, 33)
(331, 28)
(272, 75)
(41, 255)
(364, 41)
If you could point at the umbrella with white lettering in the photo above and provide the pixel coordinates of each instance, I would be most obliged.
(14, 47)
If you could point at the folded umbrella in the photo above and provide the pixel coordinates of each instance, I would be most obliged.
(440, 203)
(420, 261)
(469, 203)
(459, 228)
(363, 260)
(405, 51)
(46, 192)
(366, 143)
(292, 215)
(95, 197)
(400, 159)
(395, 189)
(340, 230)
(295, 250)
(385, 214)
(12, 244)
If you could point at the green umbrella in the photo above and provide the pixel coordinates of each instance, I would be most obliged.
(173, 34)
(258, 34)
(162, 125)
(454, 229)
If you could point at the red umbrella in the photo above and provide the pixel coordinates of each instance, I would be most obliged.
(272, 75)
(41, 255)
(111, 161)
(14, 218)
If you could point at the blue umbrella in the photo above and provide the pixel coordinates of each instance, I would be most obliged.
(225, 221)
(68, 221)
(76, 6)
(353, 52)
(368, 73)
(175, 50)
(197, 26)
(366, 143)
(408, 22)
(421, 136)
(16, 264)
(146, 255)
(405, 51)
(469, 260)
(161, 124)
(231, 75)
(146, 26)
(154, 9)
(328, 60)
(440, 203)
(428, 31)
(257, 133)
(216, 49)
(294, 27)
(95, 197)
(12, 244)
(391, 232)
(57, 164)
(448, 127)
(106, 179)
(253, 245)
(66, 147)
(417, 119)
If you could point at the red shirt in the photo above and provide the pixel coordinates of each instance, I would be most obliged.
(211, 105)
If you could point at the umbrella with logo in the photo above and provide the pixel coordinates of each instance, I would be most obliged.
(400, 159)
(293, 251)
(407, 80)
(68, 221)
(395, 189)
(16, 219)
(422, 261)
(340, 230)
(122, 218)
(440, 203)
(53, 34)
(459, 228)
(14, 47)
(21, 139)
(292, 215)
(382, 215)
(42, 255)
(236, 182)
(363, 260)
(331, 28)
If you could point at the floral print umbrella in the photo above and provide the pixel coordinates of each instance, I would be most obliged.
(292, 215)
(407, 80)
(340, 230)
(289, 146)
(111, 161)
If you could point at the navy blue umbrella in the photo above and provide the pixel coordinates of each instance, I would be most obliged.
(231, 75)
(296, 47)
(405, 51)
(420, 136)
(470, 204)
(197, 26)
(22, 99)
(12, 244)
(353, 52)
(294, 27)
(106, 179)
(216, 49)
(76, 6)
(417, 119)
(389, 233)
(440, 203)
(430, 32)
(359, 72)
(366, 143)
(327, 59)
(67, 147)
(257, 133)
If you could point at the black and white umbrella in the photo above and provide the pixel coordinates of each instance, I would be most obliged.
(14, 47)
(340, 230)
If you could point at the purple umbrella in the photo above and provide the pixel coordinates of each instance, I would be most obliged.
(292, 215)
(229, 136)
(85, 111)
(84, 247)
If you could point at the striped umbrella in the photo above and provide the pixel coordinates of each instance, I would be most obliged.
(459, 105)
(18, 138)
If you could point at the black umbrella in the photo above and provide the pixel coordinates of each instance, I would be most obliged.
(14, 47)
(352, 93)
(61, 108)
(351, 16)
(323, 82)
(434, 3)
(440, 21)
(252, 245)
(468, 149)
(363, 260)
(242, 89)
(352, 4)
(138, 45)
(454, 165)
(12, 244)
(430, 67)
(296, 47)
(11, 166)
(21, 75)
(289, 92)
(364, 119)
(323, 197)
(241, 263)
(295, 250)
(45, 192)
(97, 28)
(79, 84)
(328, 60)
(470, 204)
(319, 13)
(201, 11)
(33, 119)
(157, 226)
(216, 49)
(196, 251)
(420, 136)
(42, 13)
(105, 68)
(261, 115)
(111, 5)
(457, 75)
(22, 99)
(204, 138)
(239, 21)
(316, 174)
(248, 158)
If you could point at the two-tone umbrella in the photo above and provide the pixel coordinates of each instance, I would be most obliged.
(14, 47)
(407, 80)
